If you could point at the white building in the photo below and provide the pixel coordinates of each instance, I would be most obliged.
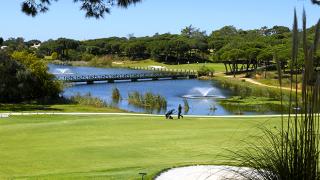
(3, 47)
(36, 46)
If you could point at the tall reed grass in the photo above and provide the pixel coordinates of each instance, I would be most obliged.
(116, 96)
(88, 100)
(148, 100)
(186, 105)
(292, 151)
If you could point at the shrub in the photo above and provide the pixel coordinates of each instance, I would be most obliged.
(54, 56)
(27, 78)
(204, 71)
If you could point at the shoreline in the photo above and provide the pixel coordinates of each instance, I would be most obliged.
(137, 114)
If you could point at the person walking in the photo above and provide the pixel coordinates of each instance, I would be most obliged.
(179, 111)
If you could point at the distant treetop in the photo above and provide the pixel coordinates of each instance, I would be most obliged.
(316, 2)
(92, 8)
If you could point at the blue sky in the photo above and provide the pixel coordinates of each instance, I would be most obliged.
(65, 20)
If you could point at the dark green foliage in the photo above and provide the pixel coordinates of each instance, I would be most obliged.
(62, 46)
(20, 83)
(15, 82)
(14, 44)
(191, 46)
(1, 41)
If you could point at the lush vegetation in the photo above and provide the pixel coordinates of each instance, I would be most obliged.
(247, 89)
(148, 100)
(25, 78)
(190, 46)
(116, 147)
(292, 152)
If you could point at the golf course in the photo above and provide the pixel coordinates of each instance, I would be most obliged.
(118, 147)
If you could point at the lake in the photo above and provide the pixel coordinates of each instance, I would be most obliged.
(175, 91)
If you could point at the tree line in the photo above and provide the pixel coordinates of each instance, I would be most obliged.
(190, 46)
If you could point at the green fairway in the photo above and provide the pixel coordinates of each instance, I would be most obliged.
(116, 147)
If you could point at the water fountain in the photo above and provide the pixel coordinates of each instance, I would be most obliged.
(63, 71)
(202, 93)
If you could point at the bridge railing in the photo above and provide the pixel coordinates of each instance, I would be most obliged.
(75, 78)
(164, 69)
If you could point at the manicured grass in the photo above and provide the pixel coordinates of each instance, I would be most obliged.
(55, 108)
(217, 67)
(116, 147)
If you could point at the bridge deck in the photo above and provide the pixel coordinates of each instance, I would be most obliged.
(131, 77)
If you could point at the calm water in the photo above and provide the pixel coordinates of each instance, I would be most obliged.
(173, 90)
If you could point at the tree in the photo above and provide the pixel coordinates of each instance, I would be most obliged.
(193, 32)
(1, 41)
(252, 54)
(218, 39)
(17, 82)
(92, 8)
(135, 50)
(26, 78)
(44, 86)
(63, 45)
(15, 43)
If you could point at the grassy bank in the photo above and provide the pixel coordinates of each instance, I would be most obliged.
(253, 97)
(246, 89)
(271, 78)
(116, 147)
(55, 108)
